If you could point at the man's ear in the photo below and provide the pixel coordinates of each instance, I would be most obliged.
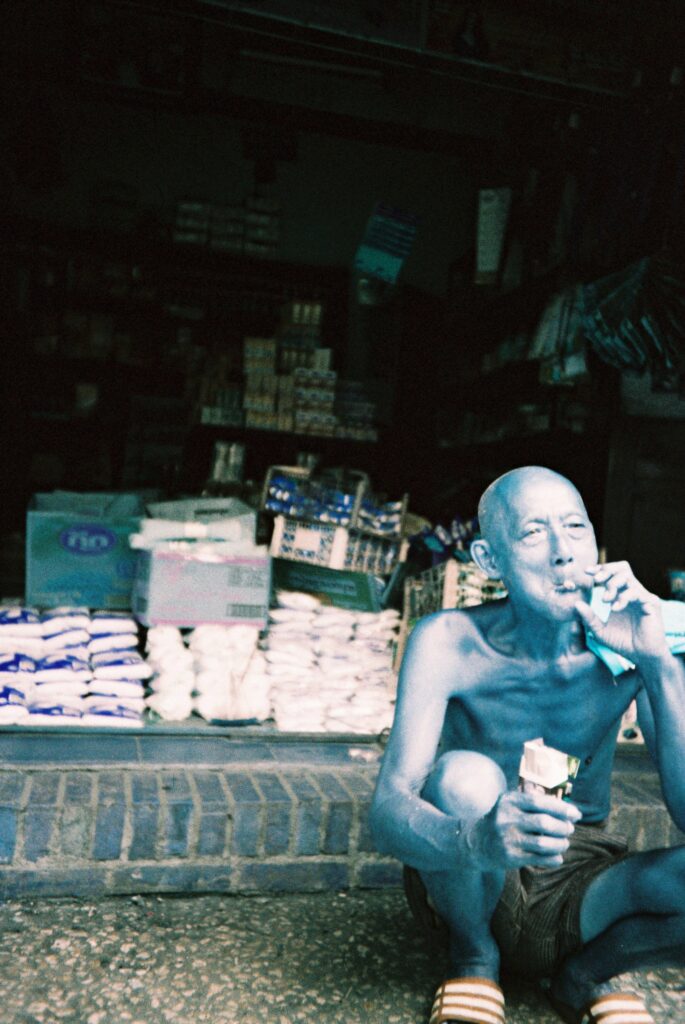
(483, 556)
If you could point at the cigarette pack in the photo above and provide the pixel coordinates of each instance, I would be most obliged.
(546, 770)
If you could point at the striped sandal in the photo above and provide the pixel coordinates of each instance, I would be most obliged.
(468, 1001)
(612, 1008)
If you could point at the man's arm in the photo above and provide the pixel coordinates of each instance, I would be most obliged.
(635, 629)
(402, 823)
(521, 828)
(661, 714)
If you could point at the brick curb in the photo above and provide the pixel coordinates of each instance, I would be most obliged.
(252, 828)
(133, 830)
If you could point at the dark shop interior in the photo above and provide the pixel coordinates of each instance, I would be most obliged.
(287, 732)
(331, 268)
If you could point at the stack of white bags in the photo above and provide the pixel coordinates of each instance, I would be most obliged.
(208, 670)
(317, 669)
(330, 668)
(68, 667)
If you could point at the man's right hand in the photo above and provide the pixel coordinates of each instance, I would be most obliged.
(523, 830)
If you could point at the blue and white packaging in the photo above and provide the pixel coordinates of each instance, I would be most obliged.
(120, 665)
(59, 690)
(117, 689)
(60, 620)
(104, 623)
(54, 713)
(68, 638)
(16, 668)
(112, 642)
(136, 703)
(12, 705)
(18, 621)
(31, 646)
(55, 668)
(111, 716)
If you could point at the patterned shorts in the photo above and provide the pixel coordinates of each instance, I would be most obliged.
(537, 920)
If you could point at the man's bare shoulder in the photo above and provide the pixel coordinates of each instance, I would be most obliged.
(452, 627)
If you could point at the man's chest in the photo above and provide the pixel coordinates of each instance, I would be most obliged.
(573, 710)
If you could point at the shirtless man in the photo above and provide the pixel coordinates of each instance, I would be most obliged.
(527, 881)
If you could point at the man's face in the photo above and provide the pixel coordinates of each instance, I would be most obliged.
(543, 543)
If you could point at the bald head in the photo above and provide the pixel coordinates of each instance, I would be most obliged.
(496, 502)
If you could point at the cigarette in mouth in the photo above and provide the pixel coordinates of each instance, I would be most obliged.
(569, 585)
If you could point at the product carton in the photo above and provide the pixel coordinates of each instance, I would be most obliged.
(209, 510)
(188, 583)
(340, 587)
(78, 551)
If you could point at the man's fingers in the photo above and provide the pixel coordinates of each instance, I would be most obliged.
(602, 573)
(624, 598)
(542, 860)
(545, 846)
(616, 585)
(616, 578)
(543, 803)
(547, 825)
(591, 620)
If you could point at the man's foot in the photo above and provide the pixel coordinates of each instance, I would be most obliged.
(468, 1001)
(609, 1008)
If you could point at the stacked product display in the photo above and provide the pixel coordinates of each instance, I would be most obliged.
(330, 668)
(198, 564)
(292, 491)
(207, 670)
(70, 667)
(334, 521)
(316, 668)
(290, 383)
(296, 637)
(251, 227)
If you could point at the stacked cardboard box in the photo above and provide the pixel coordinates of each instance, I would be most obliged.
(261, 382)
(314, 401)
(198, 563)
(192, 222)
(227, 228)
(305, 396)
(355, 411)
(262, 226)
(219, 396)
(78, 551)
(299, 336)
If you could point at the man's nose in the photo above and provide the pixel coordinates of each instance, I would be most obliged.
(561, 549)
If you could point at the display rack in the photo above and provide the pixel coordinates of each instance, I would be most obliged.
(132, 314)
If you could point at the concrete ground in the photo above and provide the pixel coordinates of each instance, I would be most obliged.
(352, 958)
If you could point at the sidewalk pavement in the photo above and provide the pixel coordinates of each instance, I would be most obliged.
(324, 958)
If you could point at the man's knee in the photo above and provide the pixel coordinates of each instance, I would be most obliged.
(662, 879)
(651, 882)
(464, 783)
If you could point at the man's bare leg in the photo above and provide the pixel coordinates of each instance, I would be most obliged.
(466, 785)
(632, 917)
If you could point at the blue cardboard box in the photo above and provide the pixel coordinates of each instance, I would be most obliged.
(77, 549)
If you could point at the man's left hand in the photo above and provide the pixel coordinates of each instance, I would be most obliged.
(634, 627)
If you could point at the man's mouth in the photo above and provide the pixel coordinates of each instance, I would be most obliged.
(567, 586)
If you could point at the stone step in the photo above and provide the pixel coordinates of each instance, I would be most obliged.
(88, 815)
